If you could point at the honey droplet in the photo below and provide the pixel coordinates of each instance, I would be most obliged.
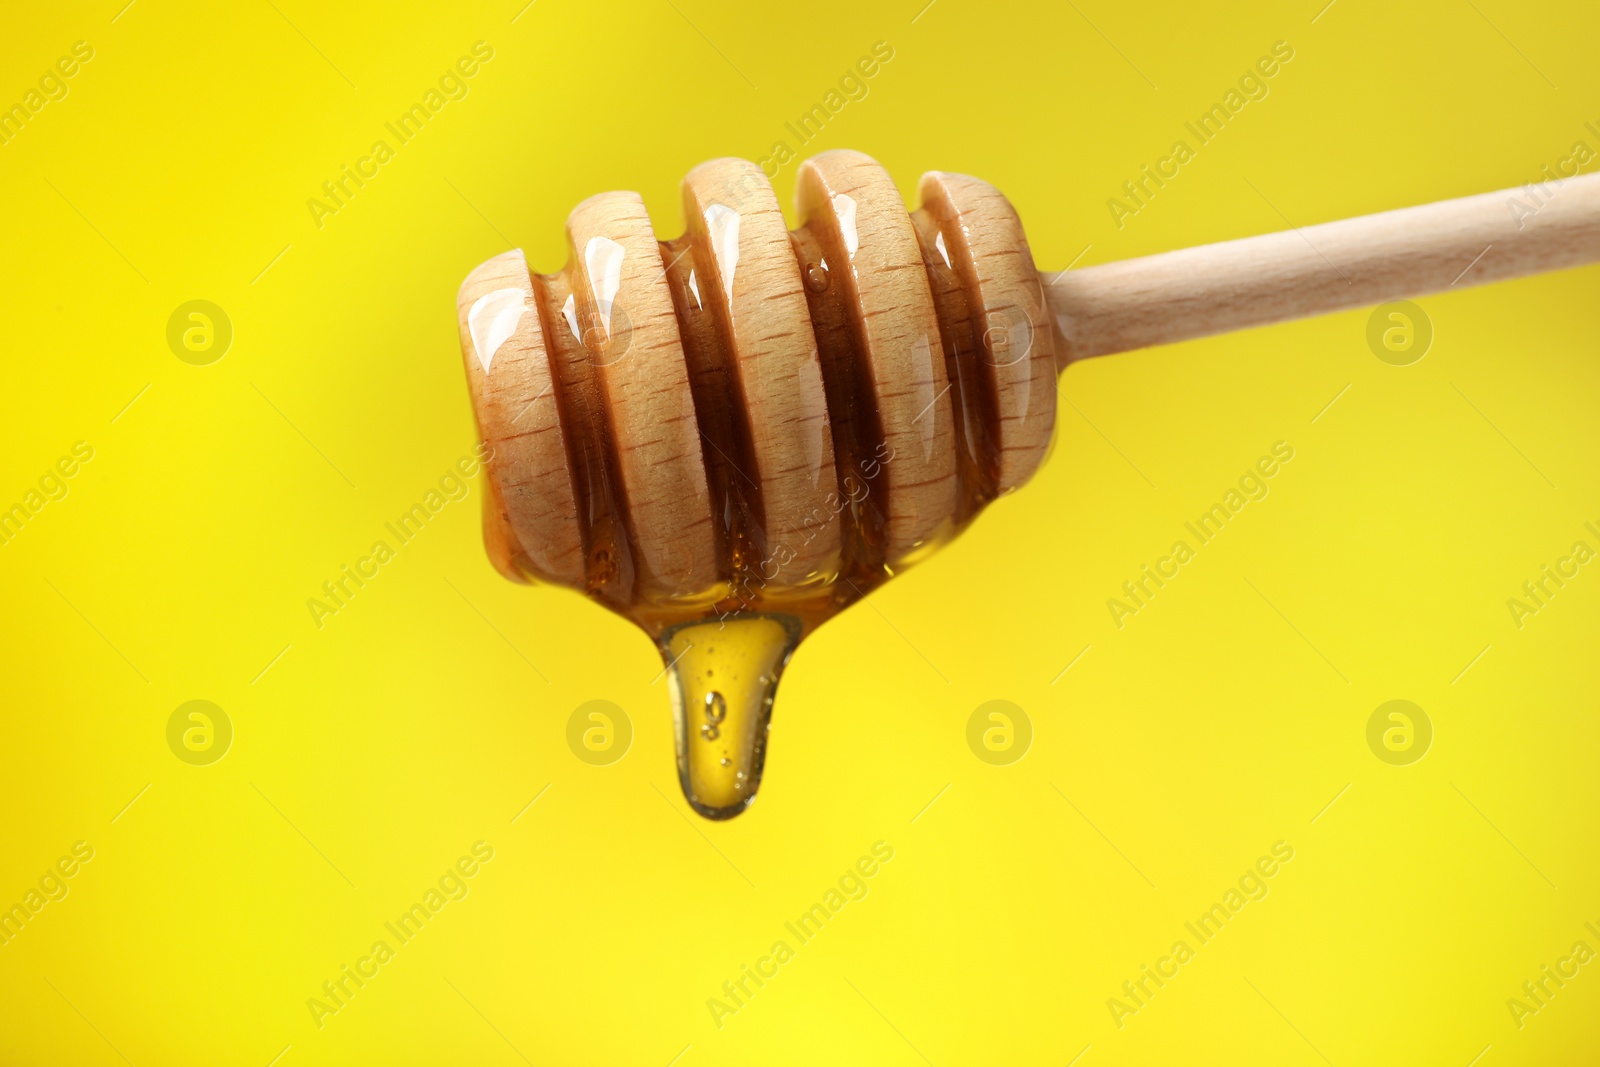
(721, 732)
(817, 277)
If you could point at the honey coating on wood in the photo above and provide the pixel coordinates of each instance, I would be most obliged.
(607, 558)
(756, 427)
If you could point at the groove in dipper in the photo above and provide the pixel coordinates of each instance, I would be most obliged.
(725, 442)
(961, 328)
(852, 411)
(608, 559)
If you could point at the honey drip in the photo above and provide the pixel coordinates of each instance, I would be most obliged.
(724, 675)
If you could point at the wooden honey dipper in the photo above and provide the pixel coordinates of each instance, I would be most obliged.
(731, 436)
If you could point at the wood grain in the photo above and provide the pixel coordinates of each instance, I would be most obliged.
(980, 239)
(531, 512)
(854, 207)
(751, 281)
(631, 335)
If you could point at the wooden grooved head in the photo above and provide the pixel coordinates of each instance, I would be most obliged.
(748, 419)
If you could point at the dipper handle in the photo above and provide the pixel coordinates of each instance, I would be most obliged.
(1196, 292)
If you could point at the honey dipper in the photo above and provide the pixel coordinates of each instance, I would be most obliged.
(731, 436)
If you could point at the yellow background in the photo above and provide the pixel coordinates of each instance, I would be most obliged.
(429, 712)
